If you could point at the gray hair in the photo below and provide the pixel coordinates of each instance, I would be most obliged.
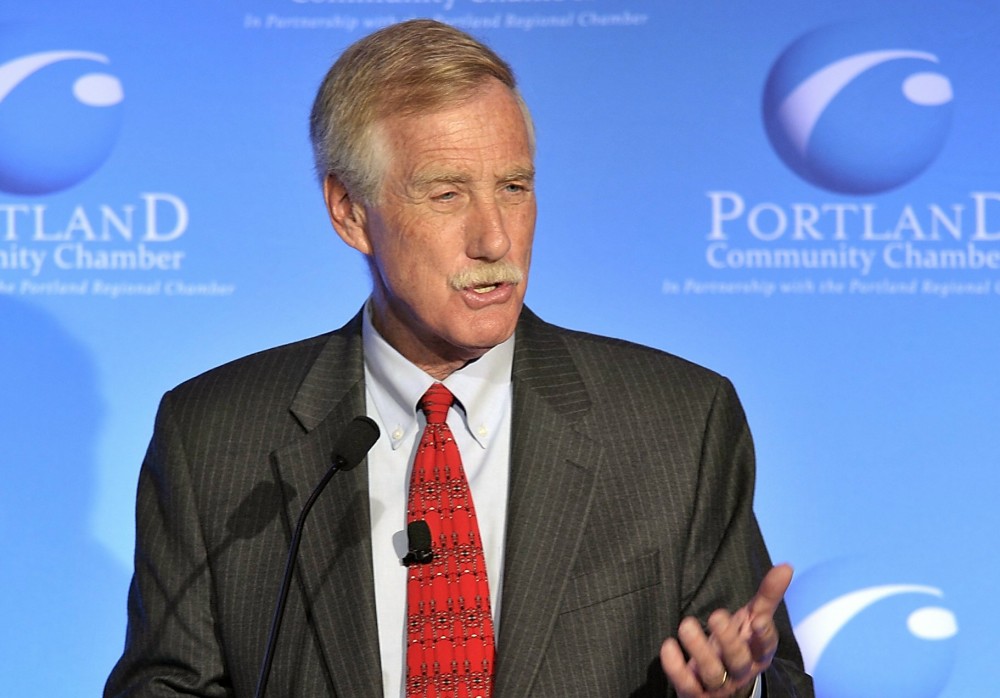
(409, 68)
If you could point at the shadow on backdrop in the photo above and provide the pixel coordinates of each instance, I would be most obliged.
(63, 596)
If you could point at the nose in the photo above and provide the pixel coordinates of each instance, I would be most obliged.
(486, 232)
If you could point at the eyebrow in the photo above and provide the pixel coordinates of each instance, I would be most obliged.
(427, 179)
(527, 173)
(432, 177)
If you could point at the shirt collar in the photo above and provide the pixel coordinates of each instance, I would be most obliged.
(481, 388)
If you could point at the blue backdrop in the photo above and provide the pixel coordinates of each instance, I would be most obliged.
(803, 196)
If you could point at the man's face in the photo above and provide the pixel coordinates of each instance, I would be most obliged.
(449, 237)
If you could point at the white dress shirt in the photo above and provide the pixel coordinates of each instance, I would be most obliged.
(480, 421)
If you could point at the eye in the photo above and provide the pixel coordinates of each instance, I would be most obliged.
(445, 196)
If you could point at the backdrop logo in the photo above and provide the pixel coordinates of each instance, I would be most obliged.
(857, 109)
(60, 112)
(862, 638)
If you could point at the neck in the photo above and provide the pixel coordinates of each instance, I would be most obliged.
(437, 359)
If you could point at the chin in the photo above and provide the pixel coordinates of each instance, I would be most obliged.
(483, 336)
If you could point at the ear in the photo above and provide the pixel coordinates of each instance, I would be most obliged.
(348, 216)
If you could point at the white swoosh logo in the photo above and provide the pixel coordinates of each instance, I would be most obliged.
(818, 629)
(14, 72)
(802, 108)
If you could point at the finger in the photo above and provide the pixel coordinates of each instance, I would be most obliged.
(677, 669)
(763, 641)
(771, 591)
(737, 658)
(704, 652)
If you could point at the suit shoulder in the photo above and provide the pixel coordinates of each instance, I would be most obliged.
(281, 365)
(626, 350)
(577, 370)
(272, 363)
(613, 359)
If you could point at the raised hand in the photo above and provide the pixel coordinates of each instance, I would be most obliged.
(738, 648)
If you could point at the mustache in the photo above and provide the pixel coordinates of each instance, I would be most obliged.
(487, 274)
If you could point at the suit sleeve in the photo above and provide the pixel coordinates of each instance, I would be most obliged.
(726, 557)
(171, 647)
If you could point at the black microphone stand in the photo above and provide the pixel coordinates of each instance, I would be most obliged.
(354, 446)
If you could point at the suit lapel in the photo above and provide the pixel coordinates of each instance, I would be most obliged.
(334, 572)
(553, 471)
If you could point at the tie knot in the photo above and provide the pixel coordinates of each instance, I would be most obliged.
(435, 403)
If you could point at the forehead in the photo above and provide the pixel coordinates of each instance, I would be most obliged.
(488, 129)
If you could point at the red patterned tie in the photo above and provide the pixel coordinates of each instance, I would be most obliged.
(449, 648)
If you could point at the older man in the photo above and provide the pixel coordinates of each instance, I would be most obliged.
(588, 501)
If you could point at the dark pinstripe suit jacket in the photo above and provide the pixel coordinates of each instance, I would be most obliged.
(630, 507)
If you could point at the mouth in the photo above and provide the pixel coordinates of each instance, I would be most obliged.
(484, 295)
(484, 289)
(483, 280)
